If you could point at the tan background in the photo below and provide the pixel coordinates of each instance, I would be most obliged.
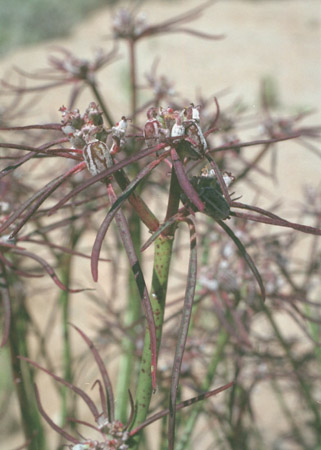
(280, 39)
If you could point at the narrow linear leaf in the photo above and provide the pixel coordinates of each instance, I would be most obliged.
(103, 372)
(60, 247)
(51, 422)
(277, 221)
(20, 272)
(38, 198)
(86, 424)
(184, 182)
(91, 405)
(42, 193)
(245, 255)
(134, 183)
(48, 269)
(181, 405)
(198, 34)
(107, 173)
(238, 145)
(6, 306)
(111, 214)
(160, 230)
(182, 333)
(132, 411)
(123, 229)
(17, 164)
(103, 400)
(46, 126)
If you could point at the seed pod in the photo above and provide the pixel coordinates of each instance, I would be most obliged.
(95, 156)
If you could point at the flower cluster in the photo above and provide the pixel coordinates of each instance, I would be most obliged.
(182, 126)
(127, 25)
(79, 68)
(87, 132)
(115, 437)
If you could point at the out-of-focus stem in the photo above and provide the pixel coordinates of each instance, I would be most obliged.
(288, 413)
(133, 83)
(65, 263)
(66, 352)
(313, 406)
(101, 103)
(21, 372)
(133, 310)
(222, 340)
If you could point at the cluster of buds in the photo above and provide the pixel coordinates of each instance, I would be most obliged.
(87, 133)
(81, 129)
(115, 435)
(161, 85)
(126, 25)
(155, 127)
(79, 68)
(183, 125)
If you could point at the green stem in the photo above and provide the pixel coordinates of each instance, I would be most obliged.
(162, 258)
(132, 315)
(22, 373)
(64, 301)
(315, 333)
(101, 103)
(222, 340)
(287, 413)
(310, 401)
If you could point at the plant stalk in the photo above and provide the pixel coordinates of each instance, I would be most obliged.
(22, 373)
(162, 258)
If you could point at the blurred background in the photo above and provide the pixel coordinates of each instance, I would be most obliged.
(265, 41)
(271, 42)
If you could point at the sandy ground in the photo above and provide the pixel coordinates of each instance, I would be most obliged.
(279, 39)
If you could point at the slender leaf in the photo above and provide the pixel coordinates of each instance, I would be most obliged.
(272, 219)
(184, 182)
(182, 333)
(160, 230)
(6, 306)
(245, 255)
(111, 214)
(123, 229)
(51, 422)
(107, 173)
(181, 405)
(91, 405)
(48, 269)
(103, 372)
